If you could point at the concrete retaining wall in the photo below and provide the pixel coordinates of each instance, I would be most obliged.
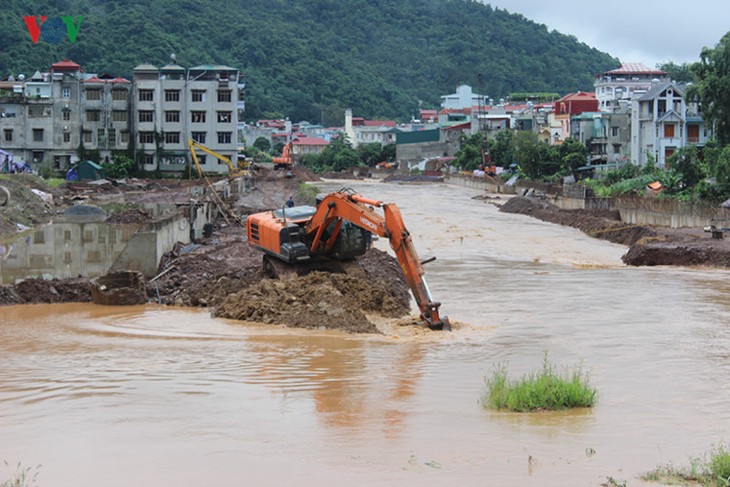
(635, 211)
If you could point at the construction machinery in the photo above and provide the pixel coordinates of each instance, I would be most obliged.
(285, 160)
(340, 229)
(233, 171)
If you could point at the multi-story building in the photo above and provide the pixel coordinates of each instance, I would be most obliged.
(54, 118)
(618, 86)
(46, 120)
(607, 136)
(661, 122)
(173, 104)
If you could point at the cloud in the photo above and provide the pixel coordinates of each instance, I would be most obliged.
(631, 30)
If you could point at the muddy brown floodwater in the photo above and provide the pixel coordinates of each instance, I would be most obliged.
(171, 396)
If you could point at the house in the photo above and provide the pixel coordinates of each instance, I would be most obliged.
(361, 131)
(618, 86)
(464, 97)
(567, 107)
(661, 122)
(607, 136)
(302, 146)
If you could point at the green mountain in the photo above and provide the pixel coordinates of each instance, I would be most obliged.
(309, 59)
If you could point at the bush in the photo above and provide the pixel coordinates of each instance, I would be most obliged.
(714, 470)
(545, 390)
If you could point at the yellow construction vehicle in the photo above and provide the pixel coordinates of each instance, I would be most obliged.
(233, 171)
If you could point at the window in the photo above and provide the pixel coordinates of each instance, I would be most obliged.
(172, 137)
(87, 136)
(66, 93)
(8, 133)
(119, 95)
(67, 115)
(93, 115)
(146, 116)
(119, 116)
(198, 95)
(197, 117)
(199, 137)
(172, 116)
(224, 95)
(224, 117)
(669, 130)
(124, 137)
(146, 137)
(616, 148)
(172, 95)
(614, 131)
(146, 95)
(93, 94)
(37, 135)
(39, 238)
(37, 156)
(66, 137)
(100, 137)
(148, 159)
(112, 137)
(224, 137)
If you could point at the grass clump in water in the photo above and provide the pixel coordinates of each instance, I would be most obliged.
(711, 470)
(544, 390)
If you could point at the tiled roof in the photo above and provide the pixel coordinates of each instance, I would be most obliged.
(634, 68)
(66, 65)
(309, 141)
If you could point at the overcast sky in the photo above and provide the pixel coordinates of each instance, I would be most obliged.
(636, 31)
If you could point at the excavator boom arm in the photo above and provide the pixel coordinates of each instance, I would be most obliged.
(196, 145)
(359, 211)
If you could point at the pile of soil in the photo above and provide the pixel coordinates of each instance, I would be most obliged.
(648, 245)
(131, 215)
(34, 291)
(316, 300)
(26, 207)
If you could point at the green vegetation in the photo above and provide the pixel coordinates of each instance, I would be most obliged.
(340, 155)
(711, 470)
(544, 390)
(310, 60)
(22, 477)
(712, 76)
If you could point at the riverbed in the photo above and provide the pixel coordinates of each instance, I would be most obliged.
(150, 395)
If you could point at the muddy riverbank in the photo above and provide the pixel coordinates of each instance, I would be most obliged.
(647, 245)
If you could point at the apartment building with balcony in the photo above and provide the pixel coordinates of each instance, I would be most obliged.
(662, 121)
(618, 86)
(44, 120)
(172, 104)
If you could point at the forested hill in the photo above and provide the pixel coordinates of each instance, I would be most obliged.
(314, 57)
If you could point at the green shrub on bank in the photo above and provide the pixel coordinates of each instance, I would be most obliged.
(712, 470)
(544, 390)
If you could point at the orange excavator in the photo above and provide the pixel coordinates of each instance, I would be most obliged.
(339, 229)
(285, 160)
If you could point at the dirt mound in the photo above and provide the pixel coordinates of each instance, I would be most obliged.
(317, 300)
(663, 253)
(132, 215)
(33, 291)
(26, 207)
(603, 224)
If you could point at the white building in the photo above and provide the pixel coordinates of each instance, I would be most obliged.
(172, 104)
(463, 98)
(662, 122)
(620, 85)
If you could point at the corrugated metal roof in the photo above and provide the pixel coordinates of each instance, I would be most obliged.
(635, 68)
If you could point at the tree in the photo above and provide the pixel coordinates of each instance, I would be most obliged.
(469, 155)
(263, 144)
(501, 149)
(120, 167)
(686, 163)
(369, 154)
(681, 73)
(572, 154)
(536, 159)
(713, 87)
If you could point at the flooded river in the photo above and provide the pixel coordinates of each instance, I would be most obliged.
(169, 396)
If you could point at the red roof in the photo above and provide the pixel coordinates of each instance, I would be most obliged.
(379, 123)
(461, 126)
(66, 65)
(119, 79)
(94, 80)
(634, 68)
(309, 141)
(581, 95)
